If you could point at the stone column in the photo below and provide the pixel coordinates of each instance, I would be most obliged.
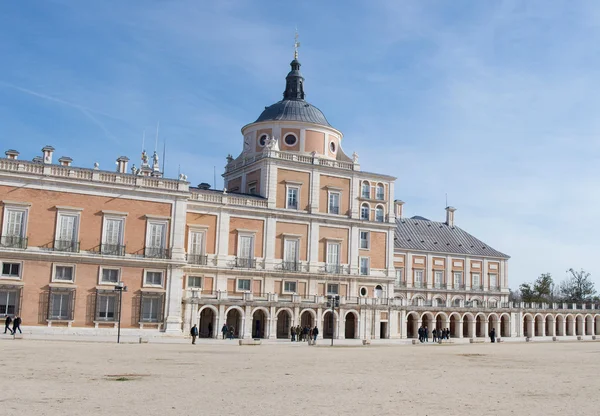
(320, 321)
(449, 277)
(247, 322)
(377, 329)
(188, 320)
(315, 181)
(460, 328)
(564, 326)
(173, 300)
(486, 328)
(221, 319)
(353, 249)
(313, 247)
(222, 239)
(474, 328)
(269, 242)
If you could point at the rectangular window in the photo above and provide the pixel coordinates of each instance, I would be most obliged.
(109, 275)
(151, 307)
(334, 202)
(493, 280)
(64, 273)
(399, 276)
(195, 282)
(457, 279)
(156, 235)
(67, 228)
(112, 238)
(289, 287)
(61, 305)
(418, 278)
(364, 266)
(333, 257)
(9, 301)
(14, 222)
(290, 250)
(153, 278)
(244, 285)
(196, 243)
(438, 277)
(476, 280)
(292, 197)
(364, 240)
(246, 245)
(11, 270)
(333, 289)
(106, 307)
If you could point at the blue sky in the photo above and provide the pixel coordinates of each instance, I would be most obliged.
(494, 103)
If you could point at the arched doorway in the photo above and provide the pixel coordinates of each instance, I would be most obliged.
(579, 325)
(351, 326)
(480, 326)
(207, 324)
(259, 324)
(284, 322)
(505, 326)
(329, 324)
(454, 326)
(440, 321)
(589, 323)
(234, 320)
(597, 324)
(307, 318)
(539, 326)
(559, 326)
(468, 326)
(570, 325)
(550, 326)
(412, 325)
(427, 322)
(528, 326)
(494, 324)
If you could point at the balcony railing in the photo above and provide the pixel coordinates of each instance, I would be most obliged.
(13, 241)
(290, 266)
(418, 284)
(459, 287)
(245, 263)
(477, 288)
(292, 205)
(364, 271)
(156, 252)
(66, 245)
(112, 249)
(438, 285)
(334, 209)
(400, 283)
(333, 268)
(495, 287)
(200, 259)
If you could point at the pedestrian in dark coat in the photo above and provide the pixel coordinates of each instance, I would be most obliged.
(194, 333)
(17, 325)
(224, 330)
(7, 323)
(493, 335)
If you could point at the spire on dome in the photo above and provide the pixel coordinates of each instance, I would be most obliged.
(296, 45)
(294, 82)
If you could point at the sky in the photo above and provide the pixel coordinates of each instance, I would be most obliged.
(492, 103)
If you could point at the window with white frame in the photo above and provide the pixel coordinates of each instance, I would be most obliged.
(379, 214)
(364, 212)
(246, 246)
(112, 235)
(67, 227)
(365, 237)
(151, 307)
(333, 256)
(64, 273)
(334, 202)
(61, 305)
(153, 278)
(365, 191)
(476, 280)
(418, 278)
(290, 253)
(290, 287)
(333, 289)
(109, 276)
(9, 300)
(438, 278)
(14, 226)
(244, 285)
(364, 266)
(156, 234)
(493, 280)
(106, 306)
(11, 269)
(399, 276)
(293, 195)
(457, 279)
(194, 282)
(380, 192)
(197, 242)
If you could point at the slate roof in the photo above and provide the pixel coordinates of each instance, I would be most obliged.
(419, 233)
(293, 110)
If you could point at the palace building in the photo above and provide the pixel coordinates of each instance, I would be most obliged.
(297, 220)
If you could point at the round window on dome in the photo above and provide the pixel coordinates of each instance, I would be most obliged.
(290, 140)
(332, 147)
(263, 140)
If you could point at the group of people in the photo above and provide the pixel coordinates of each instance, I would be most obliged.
(437, 334)
(16, 325)
(305, 333)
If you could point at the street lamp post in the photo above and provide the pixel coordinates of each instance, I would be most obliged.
(333, 301)
(120, 287)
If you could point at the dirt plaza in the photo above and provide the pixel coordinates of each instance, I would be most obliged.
(80, 378)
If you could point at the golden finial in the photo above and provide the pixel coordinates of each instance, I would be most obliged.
(296, 45)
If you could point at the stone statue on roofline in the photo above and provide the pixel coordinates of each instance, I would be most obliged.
(144, 158)
(355, 157)
(155, 165)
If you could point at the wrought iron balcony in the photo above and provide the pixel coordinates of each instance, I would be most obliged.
(66, 245)
(245, 263)
(112, 249)
(13, 241)
(333, 268)
(156, 252)
(400, 283)
(290, 266)
(418, 284)
(200, 259)
(495, 288)
(477, 288)
(439, 285)
(364, 271)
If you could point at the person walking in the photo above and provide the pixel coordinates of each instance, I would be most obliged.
(17, 325)
(224, 330)
(315, 334)
(210, 328)
(434, 334)
(7, 323)
(194, 333)
(231, 332)
(305, 332)
(493, 335)
(293, 332)
(426, 334)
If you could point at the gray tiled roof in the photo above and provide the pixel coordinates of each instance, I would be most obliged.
(419, 233)
(293, 110)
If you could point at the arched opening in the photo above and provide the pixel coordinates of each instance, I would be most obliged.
(329, 324)
(259, 324)
(365, 211)
(208, 321)
(417, 301)
(378, 291)
(494, 325)
(570, 325)
(589, 323)
(380, 193)
(234, 322)
(365, 190)
(597, 322)
(539, 326)
(284, 322)
(559, 326)
(550, 326)
(412, 326)
(440, 322)
(454, 326)
(505, 326)
(579, 325)
(307, 318)
(456, 302)
(427, 322)
(480, 326)
(351, 327)
(528, 326)
(468, 326)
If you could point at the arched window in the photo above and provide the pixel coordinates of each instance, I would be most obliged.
(365, 190)
(380, 194)
(378, 291)
(379, 214)
(364, 212)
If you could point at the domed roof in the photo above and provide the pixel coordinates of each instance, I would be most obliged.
(293, 110)
(293, 107)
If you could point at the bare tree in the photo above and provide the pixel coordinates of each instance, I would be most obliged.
(578, 286)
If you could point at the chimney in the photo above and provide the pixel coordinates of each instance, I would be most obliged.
(450, 216)
(398, 205)
(122, 164)
(65, 161)
(11, 154)
(48, 152)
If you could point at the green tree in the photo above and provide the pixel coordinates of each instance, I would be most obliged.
(578, 286)
(542, 288)
(527, 293)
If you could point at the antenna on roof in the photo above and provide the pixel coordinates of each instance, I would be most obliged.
(214, 177)
(143, 140)
(156, 140)
(164, 156)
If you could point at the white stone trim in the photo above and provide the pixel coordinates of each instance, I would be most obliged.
(8, 277)
(115, 213)
(55, 280)
(162, 278)
(157, 217)
(16, 203)
(104, 284)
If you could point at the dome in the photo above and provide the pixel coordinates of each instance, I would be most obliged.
(293, 110)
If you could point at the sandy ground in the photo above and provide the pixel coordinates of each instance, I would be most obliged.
(77, 378)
